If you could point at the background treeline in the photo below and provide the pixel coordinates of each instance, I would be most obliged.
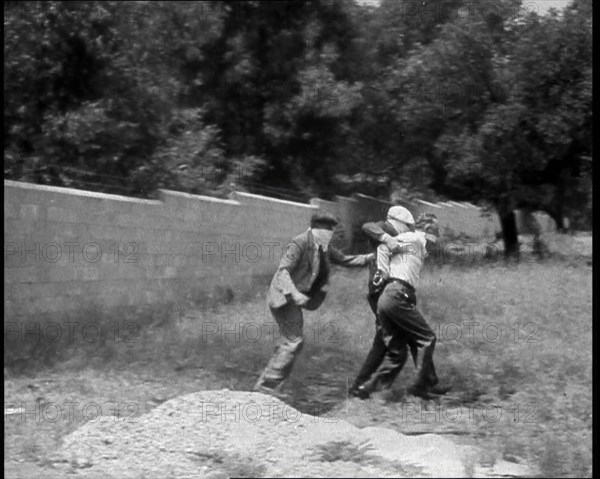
(472, 101)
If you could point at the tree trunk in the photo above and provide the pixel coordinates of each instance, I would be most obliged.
(556, 212)
(509, 233)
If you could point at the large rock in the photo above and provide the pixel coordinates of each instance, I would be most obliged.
(218, 434)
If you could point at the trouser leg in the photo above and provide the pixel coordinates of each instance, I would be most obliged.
(426, 375)
(373, 360)
(397, 307)
(395, 357)
(290, 322)
(421, 335)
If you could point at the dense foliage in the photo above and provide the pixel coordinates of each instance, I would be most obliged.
(299, 98)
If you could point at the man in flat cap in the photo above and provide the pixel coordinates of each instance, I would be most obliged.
(392, 295)
(298, 284)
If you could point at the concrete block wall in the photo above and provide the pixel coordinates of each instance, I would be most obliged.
(534, 222)
(454, 218)
(346, 209)
(66, 247)
(460, 218)
(363, 209)
(70, 250)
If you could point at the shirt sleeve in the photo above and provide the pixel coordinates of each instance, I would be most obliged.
(283, 280)
(383, 260)
(374, 231)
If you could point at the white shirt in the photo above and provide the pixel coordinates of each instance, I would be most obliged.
(404, 265)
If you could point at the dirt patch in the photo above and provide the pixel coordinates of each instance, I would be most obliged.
(218, 434)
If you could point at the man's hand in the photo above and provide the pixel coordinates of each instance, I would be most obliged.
(299, 298)
(392, 244)
(379, 279)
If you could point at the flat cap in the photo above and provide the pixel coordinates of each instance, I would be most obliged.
(400, 213)
(323, 220)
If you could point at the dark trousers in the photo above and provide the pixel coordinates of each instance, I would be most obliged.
(399, 327)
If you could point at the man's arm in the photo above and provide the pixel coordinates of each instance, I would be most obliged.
(383, 260)
(282, 280)
(376, 232)
(337, 257)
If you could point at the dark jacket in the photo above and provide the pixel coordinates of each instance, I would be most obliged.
(300, 268)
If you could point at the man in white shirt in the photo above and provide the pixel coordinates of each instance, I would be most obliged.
(400, 325)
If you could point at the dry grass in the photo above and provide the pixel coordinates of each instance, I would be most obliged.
(229, 465)
(346, 451)
(537, 372)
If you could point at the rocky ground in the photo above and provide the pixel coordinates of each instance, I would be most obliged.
(219, 434)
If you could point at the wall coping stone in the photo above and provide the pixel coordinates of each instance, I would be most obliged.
(77, 192)
(191, 196)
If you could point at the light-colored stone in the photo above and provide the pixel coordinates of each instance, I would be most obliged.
(236, 432)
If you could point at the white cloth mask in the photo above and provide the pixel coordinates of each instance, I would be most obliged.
(322, 237)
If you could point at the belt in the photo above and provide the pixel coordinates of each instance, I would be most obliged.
(403, 283)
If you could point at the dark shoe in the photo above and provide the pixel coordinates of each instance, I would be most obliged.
(269, 383)
(359, 392)
(440, 389)
(428, 392)
(419, 392)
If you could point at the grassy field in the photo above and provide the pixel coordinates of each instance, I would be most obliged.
(514, 342)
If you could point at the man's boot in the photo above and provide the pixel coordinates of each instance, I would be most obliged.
(359, 391)
(279, 366)
(427, 380)
(393, 362)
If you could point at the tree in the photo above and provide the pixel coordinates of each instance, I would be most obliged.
(279, 81)
(501, 112)
(529, 151)
(91, 89)
(77, 109)
(445, 98)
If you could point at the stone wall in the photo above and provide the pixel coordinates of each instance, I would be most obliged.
(68, 251)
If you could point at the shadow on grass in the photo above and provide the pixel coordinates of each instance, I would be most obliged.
(360, 454)
(224, 465)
